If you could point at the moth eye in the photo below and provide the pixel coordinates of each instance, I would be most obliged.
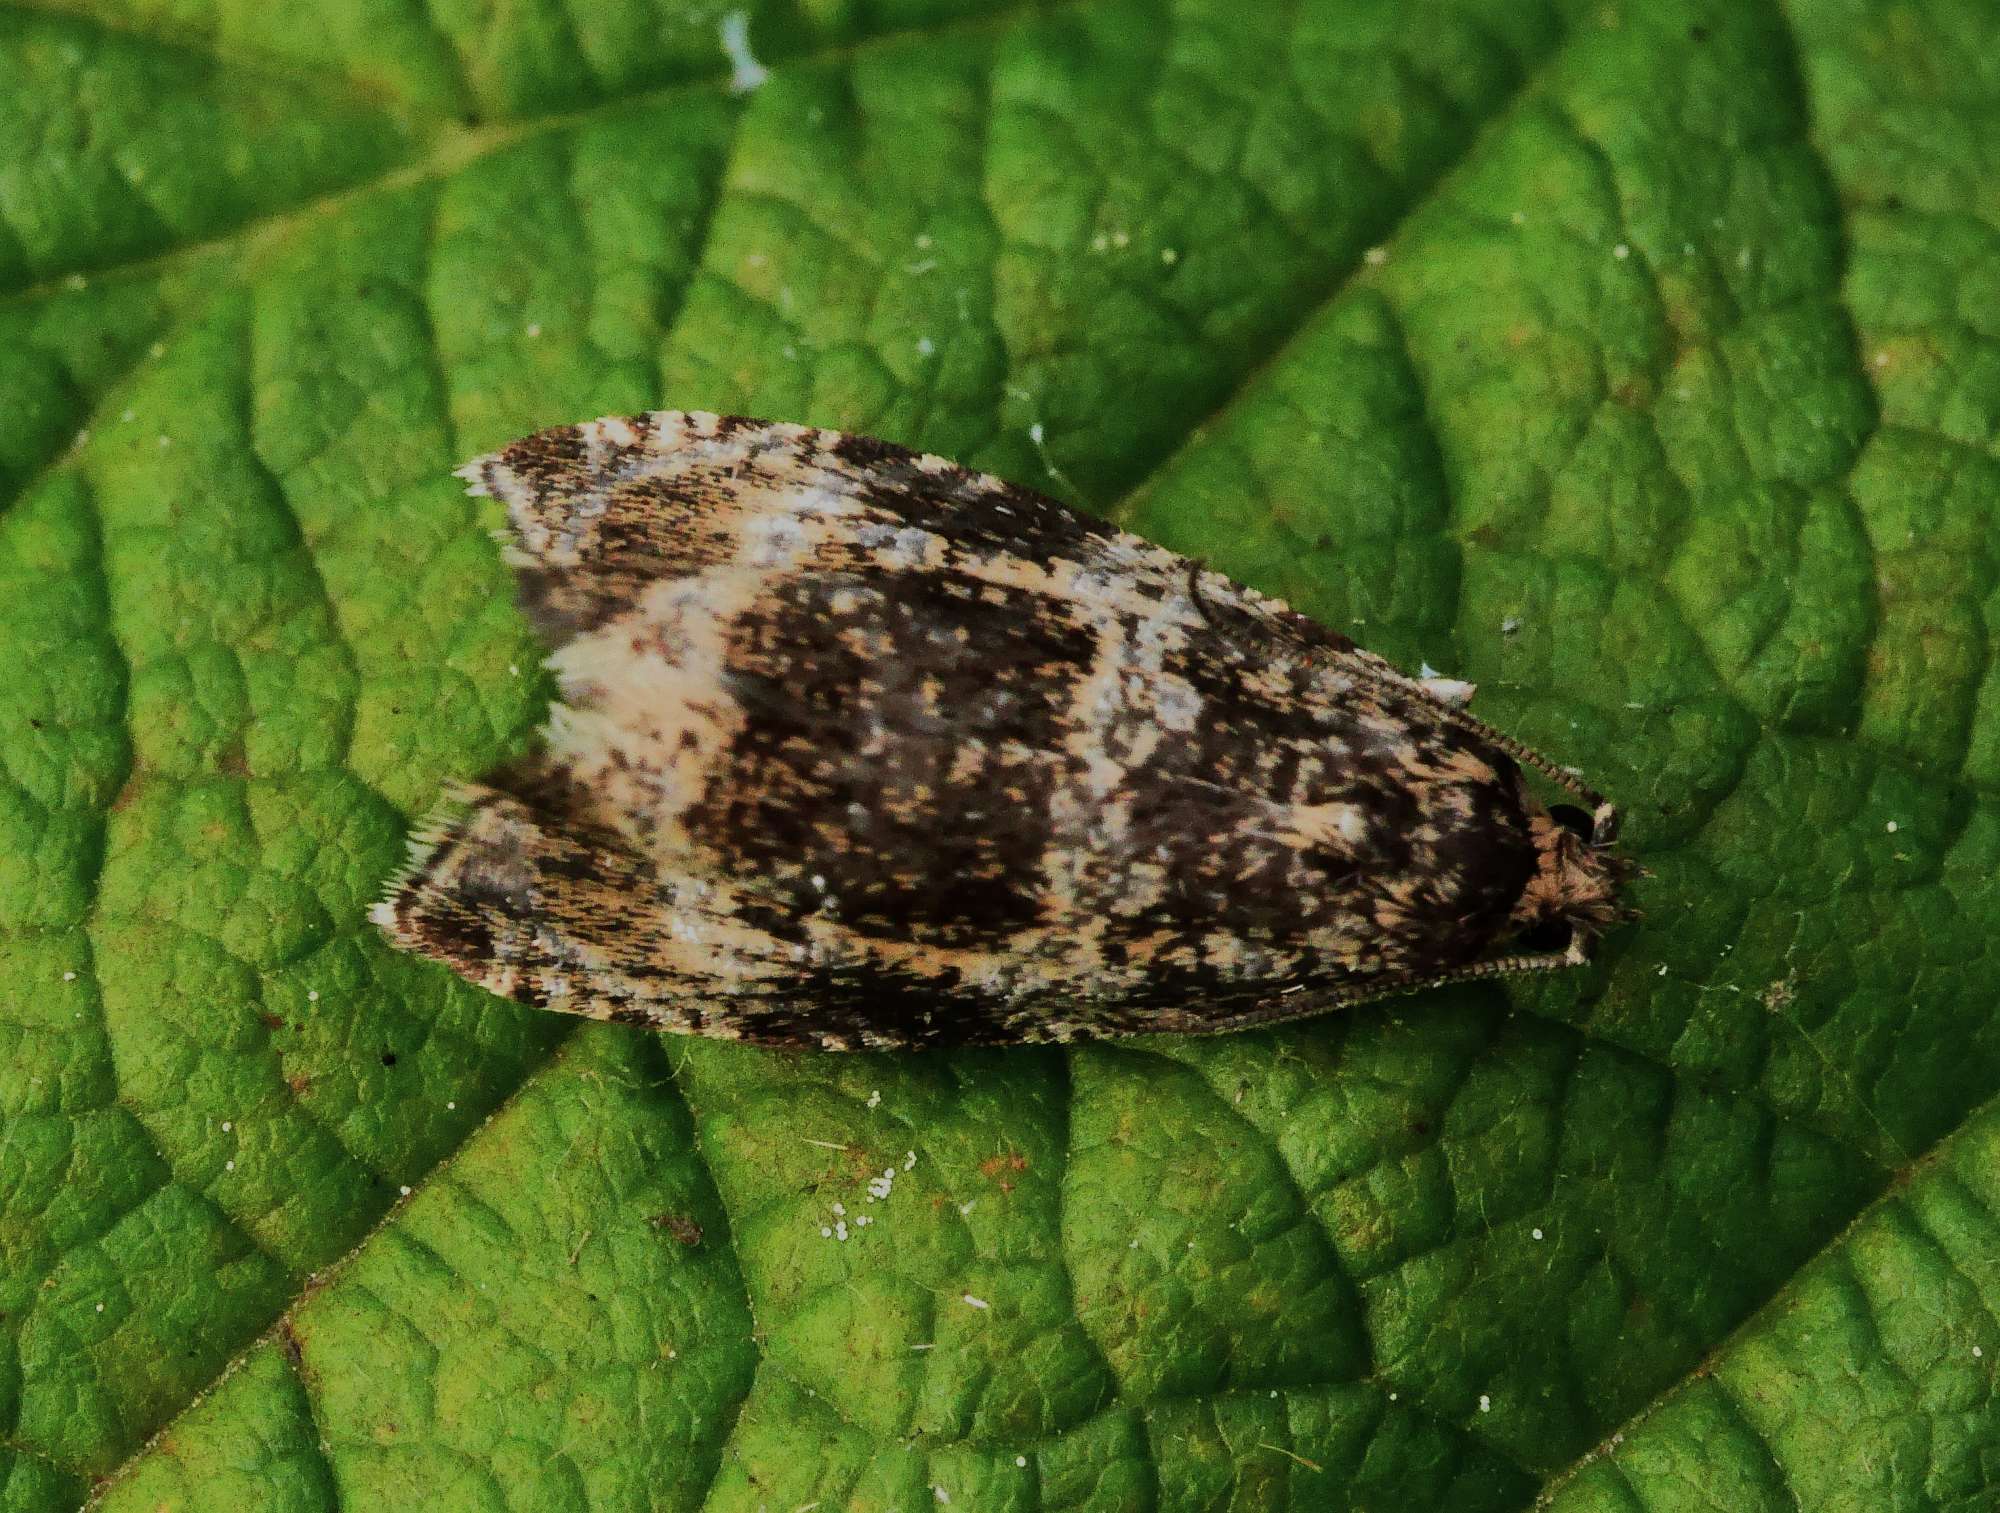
(1574, 820)
(1549, 935)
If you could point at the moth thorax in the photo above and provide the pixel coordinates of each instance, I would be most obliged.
(1573, 894)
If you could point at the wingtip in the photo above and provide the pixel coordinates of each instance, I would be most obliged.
(437, 827)
(473, 474)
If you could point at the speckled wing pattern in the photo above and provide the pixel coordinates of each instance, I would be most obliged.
(859, 748)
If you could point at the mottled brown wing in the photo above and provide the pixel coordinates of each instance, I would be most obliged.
(563, 917)
(556, 915)
(946, 713)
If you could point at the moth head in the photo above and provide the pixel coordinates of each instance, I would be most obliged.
(1574, 895)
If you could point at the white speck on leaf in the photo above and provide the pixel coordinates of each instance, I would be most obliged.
(1485, 1403)
(404, 1190)
(972, 1302)
(69, 977)
(925, 346)
(745, 72)
(1621, 252)
(1509, 625)
(874, 1097)
(1536, 1233)
(1891, 827)
(1375, 257)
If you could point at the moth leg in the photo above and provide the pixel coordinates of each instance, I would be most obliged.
(564, 917)
(1195, 595)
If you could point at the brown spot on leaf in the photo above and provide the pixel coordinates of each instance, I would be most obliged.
(679, 1226)
(997, 1168)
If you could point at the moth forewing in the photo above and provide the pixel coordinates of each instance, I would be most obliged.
(860, 748)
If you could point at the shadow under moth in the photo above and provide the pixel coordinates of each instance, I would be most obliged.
(858, 749)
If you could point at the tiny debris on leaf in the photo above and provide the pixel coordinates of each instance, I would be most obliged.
(745, 72)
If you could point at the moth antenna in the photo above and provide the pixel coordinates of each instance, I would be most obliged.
(1602, 811)
(1562, 777)
(1288, 1006)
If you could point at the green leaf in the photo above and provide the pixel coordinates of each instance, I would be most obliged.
(1638, 361)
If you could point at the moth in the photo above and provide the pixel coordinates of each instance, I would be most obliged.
(857, 748)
